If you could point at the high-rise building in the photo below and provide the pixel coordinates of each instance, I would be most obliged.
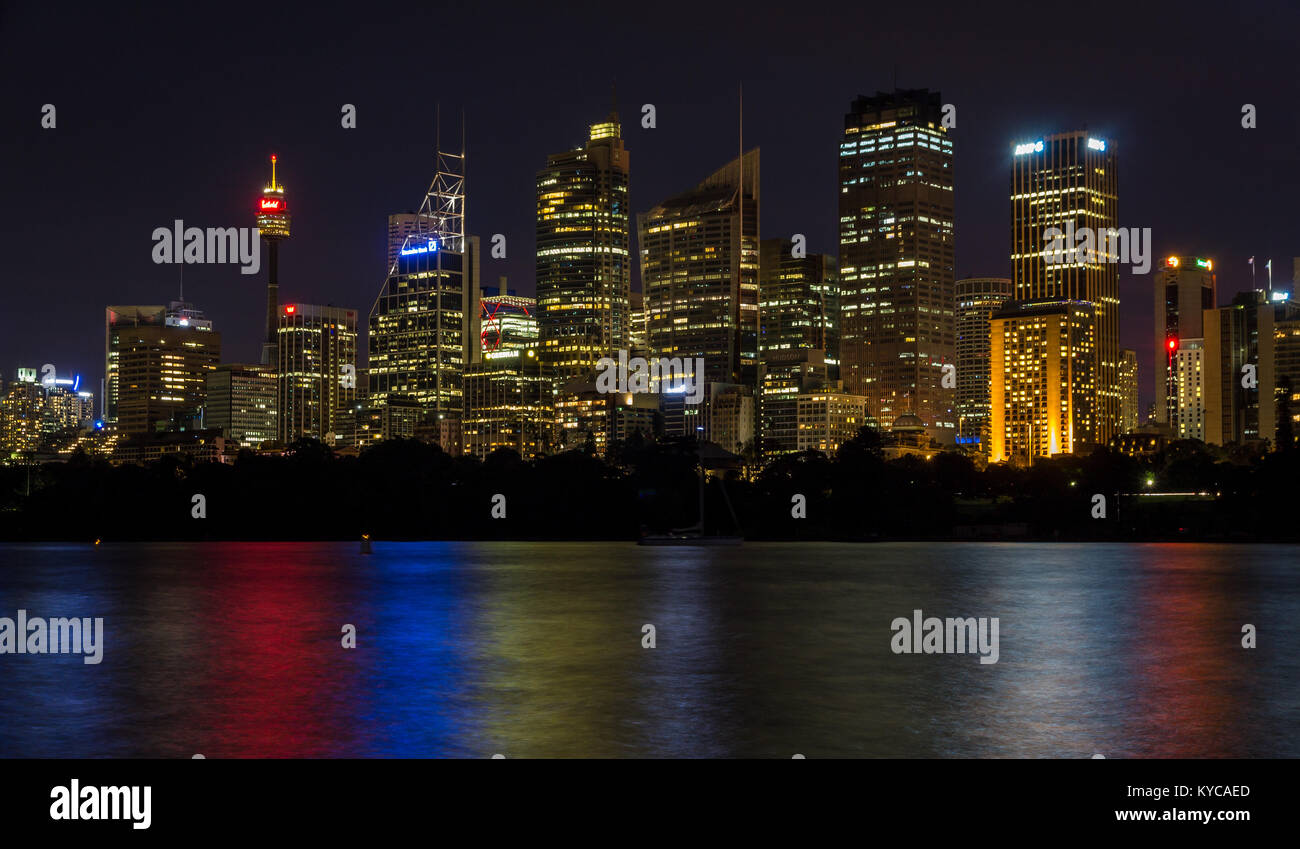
(1042, 393)
(896, 258)
(157, 360)
(1187, 406)
(637, 341)
(424, 324)
(317, 346)
(699, 273)
(273, 225)
(799, 301)
(1184, 288)
(977, 299)
(401, 226)
(509, 403)
(1069, 181)
(1239, 370)
(587, 417)
(1128, 394)
(242, 400)
(583, 263)
(507, 322)
(787, 375)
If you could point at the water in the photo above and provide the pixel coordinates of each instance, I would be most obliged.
(535, 650)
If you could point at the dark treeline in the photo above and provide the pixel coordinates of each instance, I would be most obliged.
(413, 490)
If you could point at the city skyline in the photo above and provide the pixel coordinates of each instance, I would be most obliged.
(341, 200)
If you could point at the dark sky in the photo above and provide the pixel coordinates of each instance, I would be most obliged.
(171, 113)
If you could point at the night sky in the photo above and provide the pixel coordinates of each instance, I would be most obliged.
(172, 114)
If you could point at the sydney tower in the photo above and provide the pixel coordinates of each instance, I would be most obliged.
(273, 224)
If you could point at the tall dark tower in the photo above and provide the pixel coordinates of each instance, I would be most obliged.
(273, 224)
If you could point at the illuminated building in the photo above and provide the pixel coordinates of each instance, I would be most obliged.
(1069, 181)
(826, 420)
(157, 361)
(896, 258)
(1128, 390)
(402, 225)
(586, 417)
(977, 299)
(22, 419)
(273, 225)
(799, 301)
(204, 446)
(1184, 288)
(731, 417)
(1239, 340)
(1286, 358)
(508, 404)
(424, 323)
(1042, 395)
(317, 370)
(786, 375)
(699, 272)
(583, 266)
(1187, 407)
(507, 322)
(242, 400)
(365, 422)
(637, 341)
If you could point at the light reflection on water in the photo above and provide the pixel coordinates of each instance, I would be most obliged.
(534, 650)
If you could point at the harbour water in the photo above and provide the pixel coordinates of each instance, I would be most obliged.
(539, 650)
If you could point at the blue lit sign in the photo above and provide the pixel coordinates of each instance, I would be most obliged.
(423, 249)
(968, 440)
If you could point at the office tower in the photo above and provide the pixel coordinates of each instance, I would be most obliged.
(1042, 393)
(583, 267)
(366, 422)
(1068, 181)
(977, 299)
(1128, 390)
(1186, 408)
(731, 418)
(1184, 288)
(273, 225)
(157, 360)
(317, 370)
(637, 341)
(424, 323)
(787, 375)
(896, 258)
(699, 273)
(509, 403)
(799, 300)
(242, 403)
(1286, 368)
(401, 226)
(1239, 370)
(826, 420)
(507, 322)
(22, 416)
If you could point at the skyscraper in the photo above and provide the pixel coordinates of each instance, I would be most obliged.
(423, 325)
(896, 258)
(507, 321)
(400, 226)
(317, 347)
(157, 360)
(273, 225)
(1184, 288)
(978, 298)
(1128, 385)
(699, 272)
(1042, 393)
(583, 267)
(1068, 181)
(799, 301)
(1240, 379)
(242, 402)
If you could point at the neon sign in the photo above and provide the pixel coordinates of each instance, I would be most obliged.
(423, 249)
(271, 204)
(1096, 144)
(1029, 147)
